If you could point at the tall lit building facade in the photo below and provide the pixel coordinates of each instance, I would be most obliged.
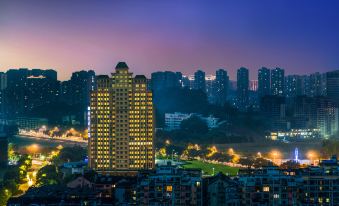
(3, 86)
(264, 82)
(221, 86)
(242, 88)
(199, 80)
(332, 85)
(121, 123)
(277, 82)
(293, 86)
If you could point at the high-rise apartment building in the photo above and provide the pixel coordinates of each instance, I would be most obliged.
(274, 109)
(121, 123)
(242, 88)
(199, 80)
(29, 89)
(3, 86)
(221, 86)
(210, 88)
(277, 82)
(165, 80)
(315, 85)
(332, 85)
(264, 82)
(293, 86)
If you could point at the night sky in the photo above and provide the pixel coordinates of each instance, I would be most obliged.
(69, 35)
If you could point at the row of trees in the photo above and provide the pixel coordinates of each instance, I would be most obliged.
(13, 177)
(51, 174)
(240, 127)
(195, 130)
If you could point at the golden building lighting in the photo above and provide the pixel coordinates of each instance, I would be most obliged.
(121, 123)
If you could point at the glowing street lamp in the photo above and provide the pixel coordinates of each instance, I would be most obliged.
(275, 154)
(167, 142)
(312, 156)
(230, 151)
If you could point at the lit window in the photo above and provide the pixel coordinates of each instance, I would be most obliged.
(169, 188)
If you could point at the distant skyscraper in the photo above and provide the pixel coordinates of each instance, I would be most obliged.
(242, 88)
(28, 89)
(121, 123)
(221, 86)
(264, 82)
(293, 86)
(210, 88)
(3, 81)
(3, 86)
(274, 108)
(332, 85)
(327, 117)
(199, 80)
(164, 80)
(277, 82)
(315, 85)
(316, 112)
(76, 91)
(186, 82)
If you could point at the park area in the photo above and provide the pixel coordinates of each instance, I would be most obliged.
(207, 168)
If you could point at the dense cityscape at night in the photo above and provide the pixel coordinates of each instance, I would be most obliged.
(169, 103)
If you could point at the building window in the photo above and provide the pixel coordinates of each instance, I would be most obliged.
(169, 188)
(266, 189)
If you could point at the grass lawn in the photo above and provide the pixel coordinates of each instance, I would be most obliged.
(208, 167)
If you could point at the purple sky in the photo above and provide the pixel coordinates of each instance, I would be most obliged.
(69, 35)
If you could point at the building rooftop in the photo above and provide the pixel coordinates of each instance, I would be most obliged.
(121, 65)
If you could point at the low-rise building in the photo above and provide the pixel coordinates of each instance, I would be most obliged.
(295, 134)
(221, 190)
(173, 120)
(268, 186)
(169, 185)
(30, 123)
(320, 184)
(71, 168)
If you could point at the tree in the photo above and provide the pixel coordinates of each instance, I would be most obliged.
(70, 154)
(290, 165)
(330, 147)
(12, 173)
(194, 124)
(249, 162)
(261, 162)
(5, 194)
(48, 175)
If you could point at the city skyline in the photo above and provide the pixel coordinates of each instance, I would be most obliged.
(69, 36)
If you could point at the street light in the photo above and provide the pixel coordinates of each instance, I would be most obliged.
(230, 151)
(275, 154)
(312, 156)
(167, 142)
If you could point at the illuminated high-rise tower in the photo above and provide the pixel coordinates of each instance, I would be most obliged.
(121, 123)
(277, 82)
(242, 88)
(264, 82)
